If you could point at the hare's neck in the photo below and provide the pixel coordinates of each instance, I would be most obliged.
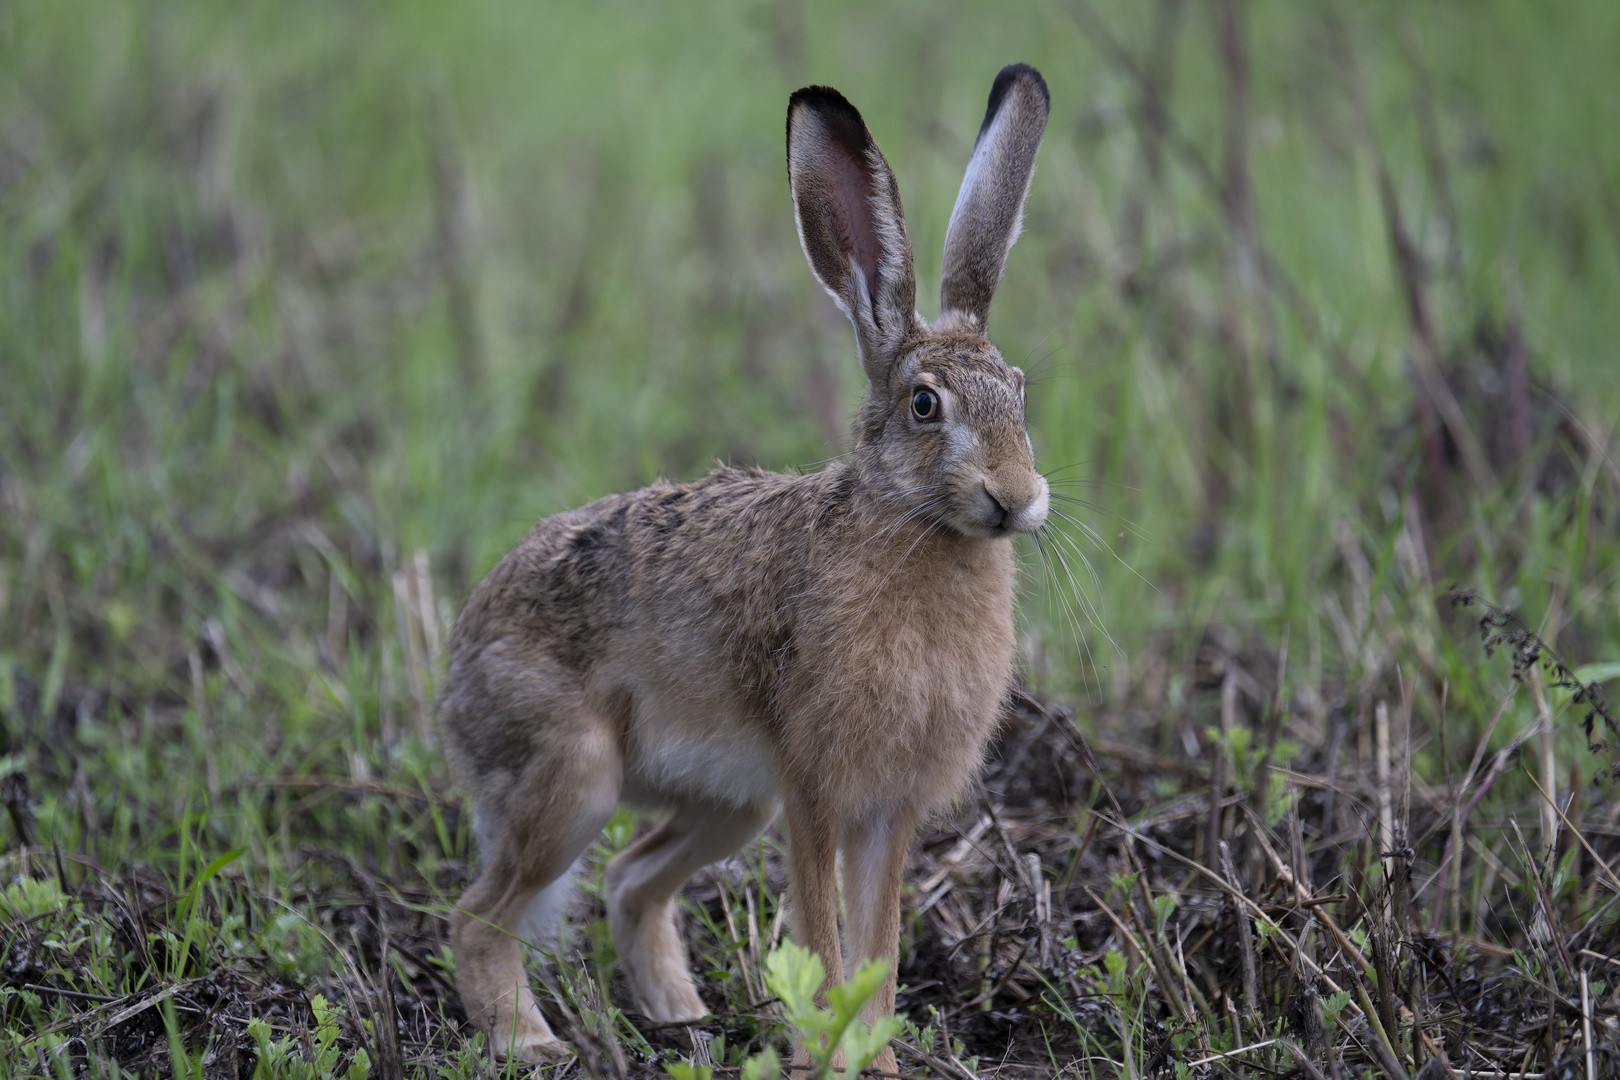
(922, 543)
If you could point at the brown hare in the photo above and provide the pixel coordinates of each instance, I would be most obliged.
(836, 645)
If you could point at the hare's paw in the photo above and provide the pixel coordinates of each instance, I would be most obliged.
(660, 980)
(525, 1037)
(670, 998)
(652, 955)
(544, 1052)
(516, 1029)
(533, 1050)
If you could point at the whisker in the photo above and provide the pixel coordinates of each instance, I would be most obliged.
(1129, 525)
(826, 460)
(1092, 481)
(1065, 468)
(1087, 503)
(1097, 539)
(1075, 550)
(914, 512)
(927, 506)
(1086, 607)
(1092, 614)
(1045, 358)
(898, 562)
(1070, 618)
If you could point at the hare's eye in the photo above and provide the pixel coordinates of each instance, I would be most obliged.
(925, 405)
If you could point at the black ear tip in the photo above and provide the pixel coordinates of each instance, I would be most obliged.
(818, 96)
(841, 119)
(1008, 77)
(826, 101)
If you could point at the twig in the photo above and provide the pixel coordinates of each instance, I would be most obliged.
(1591, 923)
(1305, 1063)
(1451, 858)
(1599, 956)
(1383, 1045)
(1232, 1053)
(1613, 880)
(1586, 1026)
(121, 1015)
(1245, 946)
(1386, 807)
(1549, 765)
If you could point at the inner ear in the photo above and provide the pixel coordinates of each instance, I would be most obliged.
(847, 206)
(849, 195)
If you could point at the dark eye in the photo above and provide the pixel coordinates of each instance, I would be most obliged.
(925, 405)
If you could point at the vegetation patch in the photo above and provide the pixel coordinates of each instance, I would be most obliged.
(308, 312)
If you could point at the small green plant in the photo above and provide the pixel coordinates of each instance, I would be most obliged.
(27, 898)
(1121, 987)
(1163, 906)
(959, 1052)
(685, 1070)
(762, 1066)
(282, 1059)
(1246, 758)
(794, 974)
(1182, 1041)
(464, 1062)
(1122, 883)
(1332, 1006)
(292, 946)
(923, 1038)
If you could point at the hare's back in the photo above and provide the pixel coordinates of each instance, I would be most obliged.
(672, 608)
(723, 552)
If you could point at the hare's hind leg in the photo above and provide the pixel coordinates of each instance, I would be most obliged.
(537, 823)
(641, 884)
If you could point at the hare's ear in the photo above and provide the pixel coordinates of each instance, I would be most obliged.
(847, 206)
(990, 207)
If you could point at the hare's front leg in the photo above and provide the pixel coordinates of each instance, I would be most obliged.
(537, 825)
(874, 867)
(813, 828)
(641, 884)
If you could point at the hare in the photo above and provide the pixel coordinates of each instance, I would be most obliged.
(835, 644)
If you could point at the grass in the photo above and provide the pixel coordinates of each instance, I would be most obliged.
(307, 312)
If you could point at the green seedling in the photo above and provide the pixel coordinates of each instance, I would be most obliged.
(284, 1059)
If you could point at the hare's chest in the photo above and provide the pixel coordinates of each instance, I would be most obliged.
(959, 671)
(949, 641)
(913, 688)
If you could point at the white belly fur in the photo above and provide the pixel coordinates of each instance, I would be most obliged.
(671, 755)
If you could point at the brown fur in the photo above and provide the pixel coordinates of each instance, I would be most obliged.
(836, 644)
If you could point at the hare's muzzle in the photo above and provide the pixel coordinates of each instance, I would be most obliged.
(1014, 508)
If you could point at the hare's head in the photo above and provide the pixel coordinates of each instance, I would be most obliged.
(941, 432)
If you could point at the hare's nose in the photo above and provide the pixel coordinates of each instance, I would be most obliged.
(994, 514)
(1024, 512)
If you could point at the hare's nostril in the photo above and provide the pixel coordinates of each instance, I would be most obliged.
(997, 515)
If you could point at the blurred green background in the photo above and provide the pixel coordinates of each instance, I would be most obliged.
(309, 310)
